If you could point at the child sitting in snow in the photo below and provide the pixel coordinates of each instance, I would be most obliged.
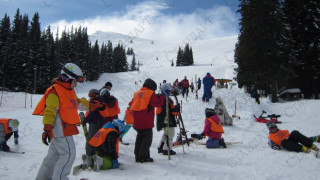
(294, 141)
(7, 128)
(213, 129)
(105, 147)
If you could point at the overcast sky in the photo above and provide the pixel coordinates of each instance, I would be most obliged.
(165, 20)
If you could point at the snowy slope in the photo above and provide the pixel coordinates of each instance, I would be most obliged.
(251, 160)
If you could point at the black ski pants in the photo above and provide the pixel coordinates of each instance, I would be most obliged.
(292, 143)
(143, 143)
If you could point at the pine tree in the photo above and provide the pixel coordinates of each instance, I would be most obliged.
(35, 49)
(133, 64)
(179, 57)
(302, 20)
(109, 60)
(5, 33)
(257, 51)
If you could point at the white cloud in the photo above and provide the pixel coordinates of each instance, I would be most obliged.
(146, 20)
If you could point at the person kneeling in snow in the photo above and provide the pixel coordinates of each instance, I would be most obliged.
(294, 141)
(105, 147)
(7, 128)
(213, 129)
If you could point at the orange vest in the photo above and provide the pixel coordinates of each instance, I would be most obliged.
(5, 122)
(141, 99)
(159, 110)
(279, 136)
(215, 127)
(129, 116)
(100, 137)
(68, 106)
(110, 111)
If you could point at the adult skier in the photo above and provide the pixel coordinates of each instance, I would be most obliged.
(208, 82)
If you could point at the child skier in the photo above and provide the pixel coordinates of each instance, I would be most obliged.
(105, 147)
(93, 116)
(59, 108)
(294, 141)
(213, 129)
(112, 109)
(128, 117)
(7, 128)
(143, 103)
(166, 140)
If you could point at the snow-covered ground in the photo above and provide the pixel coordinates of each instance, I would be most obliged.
(252, 159)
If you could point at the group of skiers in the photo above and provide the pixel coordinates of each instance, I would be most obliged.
(59, 107)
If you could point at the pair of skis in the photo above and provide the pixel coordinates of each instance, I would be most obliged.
(183, 132)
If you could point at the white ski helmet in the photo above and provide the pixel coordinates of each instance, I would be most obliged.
(72, 71)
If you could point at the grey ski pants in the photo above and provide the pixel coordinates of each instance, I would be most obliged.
(164, 137)
(58, 163)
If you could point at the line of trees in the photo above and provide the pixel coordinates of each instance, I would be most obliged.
(185, 57)
(279, 46)
(28, 54)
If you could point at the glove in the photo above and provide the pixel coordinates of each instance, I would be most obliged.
(83, 104)
(4, 146)
(47, 135)
(115, 163)
(16, 141)
(200, 136)
(275, 147)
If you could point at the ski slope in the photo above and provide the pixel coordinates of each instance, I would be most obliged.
(252, 159)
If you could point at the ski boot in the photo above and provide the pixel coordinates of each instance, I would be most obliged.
(165, 152)
(86, 162)
(222, 143)
(97, 162)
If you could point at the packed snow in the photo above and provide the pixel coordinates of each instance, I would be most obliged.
(252, 159)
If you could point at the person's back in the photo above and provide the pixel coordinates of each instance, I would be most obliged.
(208, 81)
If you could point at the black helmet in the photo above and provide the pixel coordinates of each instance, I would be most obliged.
(150, 84)
(271, 124)
(210, 112)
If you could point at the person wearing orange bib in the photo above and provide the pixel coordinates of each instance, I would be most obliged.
(104, 153)
(93, 116)
(112, 109)
(143, 105)
(213, 129)
(294, 141)
(128, 117)
(59, 108)
(8, 127)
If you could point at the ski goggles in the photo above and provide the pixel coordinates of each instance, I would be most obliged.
(79, 79)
